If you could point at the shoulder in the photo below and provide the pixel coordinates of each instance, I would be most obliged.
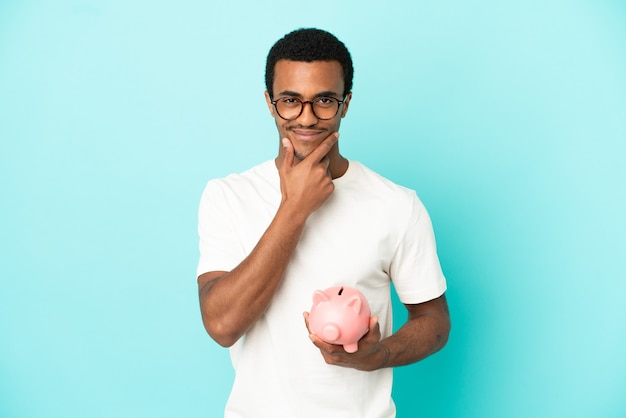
(376, 190)
(379, 185)
(253, 178)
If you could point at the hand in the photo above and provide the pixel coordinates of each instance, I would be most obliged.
(306, 184)
(371, 355)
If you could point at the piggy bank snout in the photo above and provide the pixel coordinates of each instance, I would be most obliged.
(331, 332)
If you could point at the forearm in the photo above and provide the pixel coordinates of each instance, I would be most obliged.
(425, 332)
(414, 341)
(231, 303)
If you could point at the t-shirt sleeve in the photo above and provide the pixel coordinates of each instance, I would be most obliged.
(219, 247)
(415, 269)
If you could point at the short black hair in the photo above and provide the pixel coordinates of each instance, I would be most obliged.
(308, 45)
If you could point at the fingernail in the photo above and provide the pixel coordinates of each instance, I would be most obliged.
(285, 142)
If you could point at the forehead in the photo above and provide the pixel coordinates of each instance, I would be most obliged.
(308, 78)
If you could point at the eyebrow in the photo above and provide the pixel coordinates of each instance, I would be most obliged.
(320, 94)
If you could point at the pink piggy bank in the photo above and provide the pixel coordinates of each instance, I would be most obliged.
(340, 315)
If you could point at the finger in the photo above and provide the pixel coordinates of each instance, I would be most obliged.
(322, 149)
(327, 348)
(288, 153)
(326, 162)
(373, 322)
(374, 330)
(306, 322)
(374, 326)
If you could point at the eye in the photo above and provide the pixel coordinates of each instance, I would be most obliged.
(325, 101)
(290, 101)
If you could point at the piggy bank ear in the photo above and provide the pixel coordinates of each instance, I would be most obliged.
(354, 303)
(319, 297)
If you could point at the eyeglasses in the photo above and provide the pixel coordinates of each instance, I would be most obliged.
(290, 108)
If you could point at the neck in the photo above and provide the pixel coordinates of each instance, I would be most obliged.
(338, 166)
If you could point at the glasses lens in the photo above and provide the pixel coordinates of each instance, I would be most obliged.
(288, 107)
(325, 107)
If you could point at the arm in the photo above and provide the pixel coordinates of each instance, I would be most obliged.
(425, 332)
(231, 302)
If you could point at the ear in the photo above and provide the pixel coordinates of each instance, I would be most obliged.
(319, 296)
(270, 106)
(346, 103)
(354, 303)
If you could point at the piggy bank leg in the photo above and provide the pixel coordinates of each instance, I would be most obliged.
(351, 348)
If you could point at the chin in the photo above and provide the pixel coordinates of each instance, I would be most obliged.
(301, 155)
(304, 150)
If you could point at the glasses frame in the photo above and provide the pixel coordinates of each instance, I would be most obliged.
(302, 103)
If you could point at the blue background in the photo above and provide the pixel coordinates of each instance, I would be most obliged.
(508, 118)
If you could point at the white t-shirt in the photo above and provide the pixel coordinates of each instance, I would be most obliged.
(368, 232)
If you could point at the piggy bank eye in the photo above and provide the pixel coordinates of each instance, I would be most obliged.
(340, 291)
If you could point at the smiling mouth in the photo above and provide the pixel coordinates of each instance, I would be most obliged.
(306, 134)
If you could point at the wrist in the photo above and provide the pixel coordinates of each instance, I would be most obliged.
(385, 353)
(291, 213)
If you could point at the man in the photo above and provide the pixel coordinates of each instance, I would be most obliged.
(307, 220)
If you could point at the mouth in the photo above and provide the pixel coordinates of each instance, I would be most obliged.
(307, 135)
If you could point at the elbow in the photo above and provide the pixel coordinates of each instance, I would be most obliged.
(443, 339)
(220, 332)
(443, 332)
(225, 341)
(442, 324)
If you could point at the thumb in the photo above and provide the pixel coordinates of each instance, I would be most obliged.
(288, 153)
(373, 322)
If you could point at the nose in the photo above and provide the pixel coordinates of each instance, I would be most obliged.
(307, 117)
